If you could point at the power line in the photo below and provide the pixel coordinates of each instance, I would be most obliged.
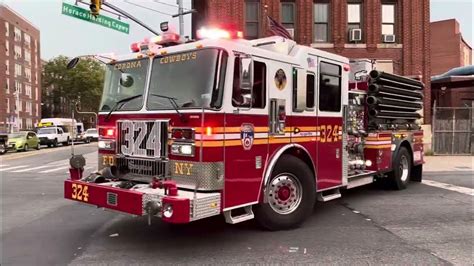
(147, 8)
(167, 4)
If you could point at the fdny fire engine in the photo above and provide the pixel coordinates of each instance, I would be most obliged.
(245, 128)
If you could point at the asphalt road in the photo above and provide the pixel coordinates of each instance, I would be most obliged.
(420, 225)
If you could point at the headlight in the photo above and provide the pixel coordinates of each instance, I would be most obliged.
(106, 144)
(168, 211)
(182, 149)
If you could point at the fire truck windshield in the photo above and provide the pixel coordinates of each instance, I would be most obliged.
(194, 79)
(124, 80)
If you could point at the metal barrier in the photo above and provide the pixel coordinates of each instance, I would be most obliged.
(453, 131)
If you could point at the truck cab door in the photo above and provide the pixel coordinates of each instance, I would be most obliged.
(329, 123)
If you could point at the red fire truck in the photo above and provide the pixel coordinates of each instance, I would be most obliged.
(245, 128)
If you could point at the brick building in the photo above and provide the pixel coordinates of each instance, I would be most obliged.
(20, 76)
(393, 33)
(448, 47)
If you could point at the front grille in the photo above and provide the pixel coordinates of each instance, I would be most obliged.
(141, 166)
(143, 138)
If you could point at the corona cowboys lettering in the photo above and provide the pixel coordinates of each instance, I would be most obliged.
(128, 65)
(178, 58)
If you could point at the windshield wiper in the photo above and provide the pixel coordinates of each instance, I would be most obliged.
(173, 103)
(123, 101)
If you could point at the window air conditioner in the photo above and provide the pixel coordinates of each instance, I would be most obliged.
(388, 38)
(355, 35)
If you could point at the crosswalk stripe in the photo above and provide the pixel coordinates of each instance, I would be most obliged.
(14, 167)
(463, 190)
(30, 169)
(53, 170)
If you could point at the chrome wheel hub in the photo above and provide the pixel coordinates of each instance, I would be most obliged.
(285, 193)
(404, 168)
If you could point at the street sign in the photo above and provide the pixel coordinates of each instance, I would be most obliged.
(84, 14)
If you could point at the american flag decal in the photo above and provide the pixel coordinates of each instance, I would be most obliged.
(278, 29)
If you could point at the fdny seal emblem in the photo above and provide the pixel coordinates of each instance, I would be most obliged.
(247, 136)
(280, 79)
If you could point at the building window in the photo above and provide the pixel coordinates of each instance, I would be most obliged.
(7, 28)
(18, 86)
(7, 67)
(17, 34)
(329, 87)
(18, 105)
(28, 107)
(354, 17)
(321, 22)
(388, 19)
(17, 52)
(28, 73)
(7, 48)
(36, 93)
(28, 90)
(18, 70)
(288, 17)
(252, 19)
(27, 56)
(27, 40)
(7, 85)
(8, 105)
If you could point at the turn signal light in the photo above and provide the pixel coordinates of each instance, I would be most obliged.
(182, 134)
(107, 133)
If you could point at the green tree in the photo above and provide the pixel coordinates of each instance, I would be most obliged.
(82, 84)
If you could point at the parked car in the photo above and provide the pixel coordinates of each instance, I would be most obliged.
(23, 140)
(51, 136)
(91, 135)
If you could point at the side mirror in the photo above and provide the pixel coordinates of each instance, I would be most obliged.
(246, 72)
(72, 64)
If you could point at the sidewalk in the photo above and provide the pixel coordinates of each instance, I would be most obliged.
(448, 163)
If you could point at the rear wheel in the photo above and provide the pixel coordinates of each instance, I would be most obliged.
(290, 195)
(66, 143)
(55, 142)
(38, 146)
(3, 148)
(400, 175)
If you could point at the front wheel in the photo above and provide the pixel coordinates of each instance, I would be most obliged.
(25, 148)
(290, 195)
(38, 146)
(3, 149)
(400, 175)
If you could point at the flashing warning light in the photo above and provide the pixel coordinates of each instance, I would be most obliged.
(110, 132)
(208, 131)
(166, 39)
(216, 33)
(347, 68)
(135, 47)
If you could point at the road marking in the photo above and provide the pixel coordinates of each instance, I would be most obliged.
(12, 168)
(463, 190)
(3, 165)
(53, 170)
(30, 169)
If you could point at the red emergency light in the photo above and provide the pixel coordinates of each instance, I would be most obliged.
(216, 33)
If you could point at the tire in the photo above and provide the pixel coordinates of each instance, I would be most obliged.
(38, 146)
(25, 148)
(88, 140)
(294, 200)
(3, 149)
(417, 173)
(66, 143)
(399, 177)
(55, 143)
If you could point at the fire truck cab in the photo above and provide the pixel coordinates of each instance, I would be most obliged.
(248, 129)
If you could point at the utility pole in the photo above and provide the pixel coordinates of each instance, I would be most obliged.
(181, 14)
(181, 18)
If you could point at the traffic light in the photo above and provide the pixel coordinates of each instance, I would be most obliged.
(95, 7)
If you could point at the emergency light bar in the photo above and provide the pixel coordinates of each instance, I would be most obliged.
(165, 39)
(216, 33)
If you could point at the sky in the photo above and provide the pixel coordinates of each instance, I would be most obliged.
(63, 35)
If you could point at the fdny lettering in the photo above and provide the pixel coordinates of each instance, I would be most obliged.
(108, 160)
(178, 58)
(183, 168)
(128, 65)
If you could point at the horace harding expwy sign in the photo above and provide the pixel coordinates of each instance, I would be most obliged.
(84, 14)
